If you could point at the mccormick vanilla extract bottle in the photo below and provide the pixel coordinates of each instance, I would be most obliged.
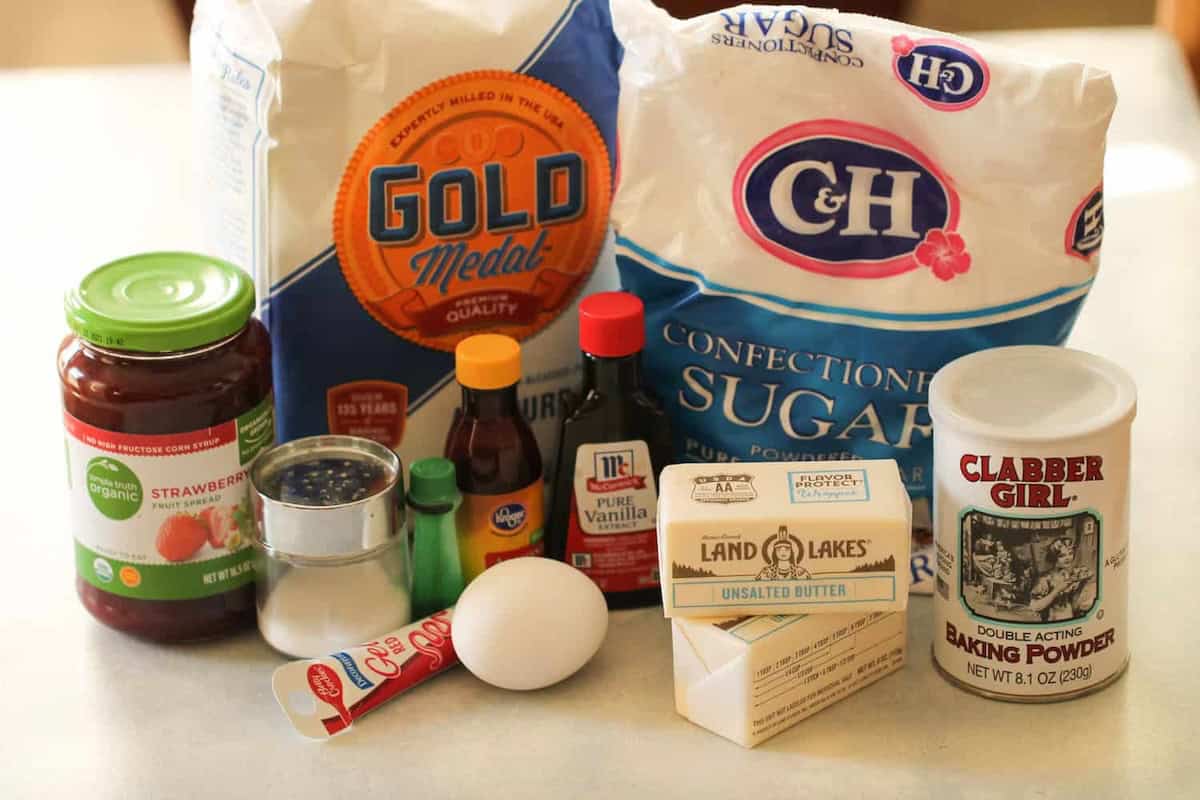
(615, 440)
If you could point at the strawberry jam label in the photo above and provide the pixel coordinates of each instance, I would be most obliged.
(611, 532)
(478, 203)
(164, 517)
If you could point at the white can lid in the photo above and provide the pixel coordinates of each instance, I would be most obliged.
(1031, 393)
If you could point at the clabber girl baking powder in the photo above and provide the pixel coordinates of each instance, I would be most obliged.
(1031, 521)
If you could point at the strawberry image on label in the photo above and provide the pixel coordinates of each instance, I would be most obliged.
(180, 537)
(228, 526)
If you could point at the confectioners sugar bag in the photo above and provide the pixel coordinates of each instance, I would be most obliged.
(398, 176)
(821, 209)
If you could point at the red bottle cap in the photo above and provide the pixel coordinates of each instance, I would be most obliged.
(612, 324)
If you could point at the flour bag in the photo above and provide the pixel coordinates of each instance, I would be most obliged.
(398, 176)
(821, 209)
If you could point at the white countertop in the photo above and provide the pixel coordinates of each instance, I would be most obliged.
(94, 167)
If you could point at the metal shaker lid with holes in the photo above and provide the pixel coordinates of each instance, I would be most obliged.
(327, 498)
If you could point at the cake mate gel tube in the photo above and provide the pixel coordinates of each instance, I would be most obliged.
(323, 697)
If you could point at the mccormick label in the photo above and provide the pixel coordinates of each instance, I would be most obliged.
(496, 527)
(165, 517)
(611, 529)
(1032, 579)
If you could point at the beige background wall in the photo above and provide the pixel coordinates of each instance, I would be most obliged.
(72, 32)
(963, 15)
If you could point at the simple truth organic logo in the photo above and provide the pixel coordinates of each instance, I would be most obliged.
(113, 487)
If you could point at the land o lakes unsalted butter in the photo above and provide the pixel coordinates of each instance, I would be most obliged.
(783, 538)
(749, 678)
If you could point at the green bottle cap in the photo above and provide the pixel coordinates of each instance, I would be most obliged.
(432, 488)
(160, 302)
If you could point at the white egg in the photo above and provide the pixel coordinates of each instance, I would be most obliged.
(529, 623)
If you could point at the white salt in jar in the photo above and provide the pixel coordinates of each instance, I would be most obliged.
(1031, 521)
(333, 567)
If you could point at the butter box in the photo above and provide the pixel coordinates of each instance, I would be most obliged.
(749, 678)
(783, 538)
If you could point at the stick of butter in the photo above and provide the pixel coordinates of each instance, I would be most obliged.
(783, 538)
(749, 678)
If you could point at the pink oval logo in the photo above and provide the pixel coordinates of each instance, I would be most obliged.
(944, 74)
(1085, 229)
(849, 200)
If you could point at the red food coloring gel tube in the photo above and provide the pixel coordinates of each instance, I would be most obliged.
(358, 679)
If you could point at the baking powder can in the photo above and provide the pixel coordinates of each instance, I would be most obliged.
(1031, 522)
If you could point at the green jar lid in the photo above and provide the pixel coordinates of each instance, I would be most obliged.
(160, 302)
(432, 487)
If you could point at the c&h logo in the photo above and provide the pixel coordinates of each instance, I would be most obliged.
(1085, 229)
(944, 74)
(849, 200)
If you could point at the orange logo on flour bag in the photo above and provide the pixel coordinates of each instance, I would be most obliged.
(479, 202)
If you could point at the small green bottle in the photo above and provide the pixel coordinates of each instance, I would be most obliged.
(437, 572)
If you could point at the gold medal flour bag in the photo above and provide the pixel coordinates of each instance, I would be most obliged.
(398, 176)
(821, 209)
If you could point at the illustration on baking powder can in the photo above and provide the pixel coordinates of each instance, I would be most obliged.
(1031, 522)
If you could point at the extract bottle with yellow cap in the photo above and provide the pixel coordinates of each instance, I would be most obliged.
(496, 458)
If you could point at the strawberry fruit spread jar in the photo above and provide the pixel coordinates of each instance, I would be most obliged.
(166, 383)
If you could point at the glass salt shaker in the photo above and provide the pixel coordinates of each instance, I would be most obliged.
(333, 566)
